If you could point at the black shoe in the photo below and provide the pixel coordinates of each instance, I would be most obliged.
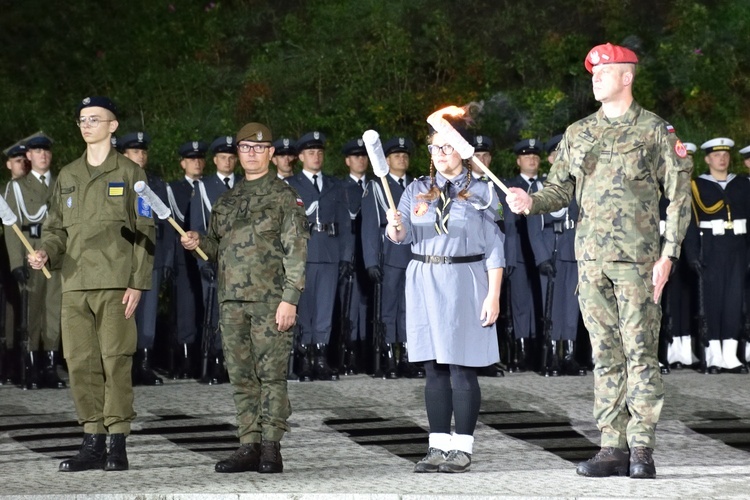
(608, 462)
(321, 370)
(523, 356)
(350, 361)
(143, 373)
(390, 370)
(184, 363)
(491, 371)
(642, 463)
(742, 369)
(245, 459)
(713, 370)
(91, 455)
(216, 373)
(306, 363)
(270, 458)
(664, 369)
(50, 379)
(31, 379)
(117, 457)
(676, 366)
(571, 367)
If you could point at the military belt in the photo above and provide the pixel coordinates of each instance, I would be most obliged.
(34, 230)
(440, 259)
(719, 226)
(331, 228)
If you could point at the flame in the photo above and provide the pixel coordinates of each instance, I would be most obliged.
(448, 110)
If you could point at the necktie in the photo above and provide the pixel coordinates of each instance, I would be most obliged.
(533, 188)
(42, 179)
(315, 183)
(226, 182)
(443, 208)
(401, 182)
(359, 183)
(195, 186)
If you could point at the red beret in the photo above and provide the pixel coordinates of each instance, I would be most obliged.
(609, 54)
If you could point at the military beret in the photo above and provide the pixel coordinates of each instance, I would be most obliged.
(16, 151)
(311, 140)
(355, 147)
(398, 144)
(133, 140)
(481, 143)
(745, 152)
(691, 148)
(552, 143)
(224, 144)
(255, 132)
(39, 142)
(528, 147)
(98, 102)
(717, 144)
(609, 54)
(284, 146)
(193, 149)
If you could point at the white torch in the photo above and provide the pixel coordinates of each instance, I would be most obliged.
(379, 165)
(10, 219)
(161, 210)
(465, 150)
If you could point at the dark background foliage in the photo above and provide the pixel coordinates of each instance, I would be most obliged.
(189, 69)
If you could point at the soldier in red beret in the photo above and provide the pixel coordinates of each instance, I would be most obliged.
(611, 162)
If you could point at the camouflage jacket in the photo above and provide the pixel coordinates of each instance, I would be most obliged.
(616, 168)
(258, 232)
(94, 230)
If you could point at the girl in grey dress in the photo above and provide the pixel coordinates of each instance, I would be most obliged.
(452, 296)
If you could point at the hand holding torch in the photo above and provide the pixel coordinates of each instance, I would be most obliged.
(10, 219)
(161, 210)
(379, 165)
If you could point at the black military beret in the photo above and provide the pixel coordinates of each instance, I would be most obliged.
(224, 144)
(284, 146)
(398, 144)
(355, 147)
(133, 140)
(311, 140)
(528, 147)
(96, 101)
(193, 149)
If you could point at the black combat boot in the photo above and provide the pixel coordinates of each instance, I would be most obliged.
(407, 369)
(523, 348)
(321, 370)
(642, 463)
(117, 458)
(390, 370)
(245, 459)
(306, 363)
(662, 355)
(91, 455)
(50, 379)
(7, 366)
(184, 362)
(608, 462)
(143, 372)
(553, 360)
(350, 359)
(31, 378)
(270, 458)
(218, 372)
(570, 364)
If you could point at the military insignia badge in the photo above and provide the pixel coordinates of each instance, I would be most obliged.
(360, 142)
(260, 135)
(86, 101)
(300, 203)
(116, 189)
(680, 149)
(594, 57)
(420, 209)
(316, 135)
(140, 136)
(286, 143)
(69, 202)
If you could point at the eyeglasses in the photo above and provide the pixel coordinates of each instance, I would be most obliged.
(258, 148)
(93, 121)
(446, 149)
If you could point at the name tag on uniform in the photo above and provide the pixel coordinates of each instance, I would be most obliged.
(116, 189)
(144, 209)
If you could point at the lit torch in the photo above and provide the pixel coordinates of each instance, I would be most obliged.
(10, 219)
(464, 149)
(379, 165)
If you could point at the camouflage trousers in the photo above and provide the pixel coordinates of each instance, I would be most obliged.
(256, 354)
(618, 310)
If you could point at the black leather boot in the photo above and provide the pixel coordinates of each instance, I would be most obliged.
(390, 370)
(553, 361)
(245, 459)
(50, 379)
(184, 363)
(217, 371)
(523, 346)
(570, 364)
(406, 368)
(608, 462)
(270, 458)
(91, 455)
(306, 363)
(321, 370)
(117, 458)
(32, 372)
(350, 359)
(143, 372)
(642, 463)
(662, 354)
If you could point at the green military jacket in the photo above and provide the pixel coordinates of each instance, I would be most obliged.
(94, 231)
(34, 196)
(616, 169)
(259, 232)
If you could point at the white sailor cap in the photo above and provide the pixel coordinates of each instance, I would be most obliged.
(745, 152)
(691, 148)
(718, 144)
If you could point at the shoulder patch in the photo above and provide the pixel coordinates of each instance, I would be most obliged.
(680, 149)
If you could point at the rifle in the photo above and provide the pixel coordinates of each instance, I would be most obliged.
(173, 334)
(508, 333)
(290, 375)
(27, 360)
(702, 321)
(549, 369)
(378, 329)
(345, 330)
(209, 331)
(665, 329)
(3, 339)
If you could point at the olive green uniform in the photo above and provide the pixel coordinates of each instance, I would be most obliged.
(614, 168)
(258, 232)
(44, 294)
(96, 237)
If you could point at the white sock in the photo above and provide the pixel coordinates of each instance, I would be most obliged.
(713, 354)
(729, 353)
(673, 350)
(440, 441)
(462, 442)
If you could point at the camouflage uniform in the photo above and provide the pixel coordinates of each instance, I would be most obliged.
(614, 168)
(258, 233)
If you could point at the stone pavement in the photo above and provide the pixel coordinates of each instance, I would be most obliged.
(359, 438)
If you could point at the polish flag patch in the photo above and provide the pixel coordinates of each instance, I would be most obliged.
(300, 203)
